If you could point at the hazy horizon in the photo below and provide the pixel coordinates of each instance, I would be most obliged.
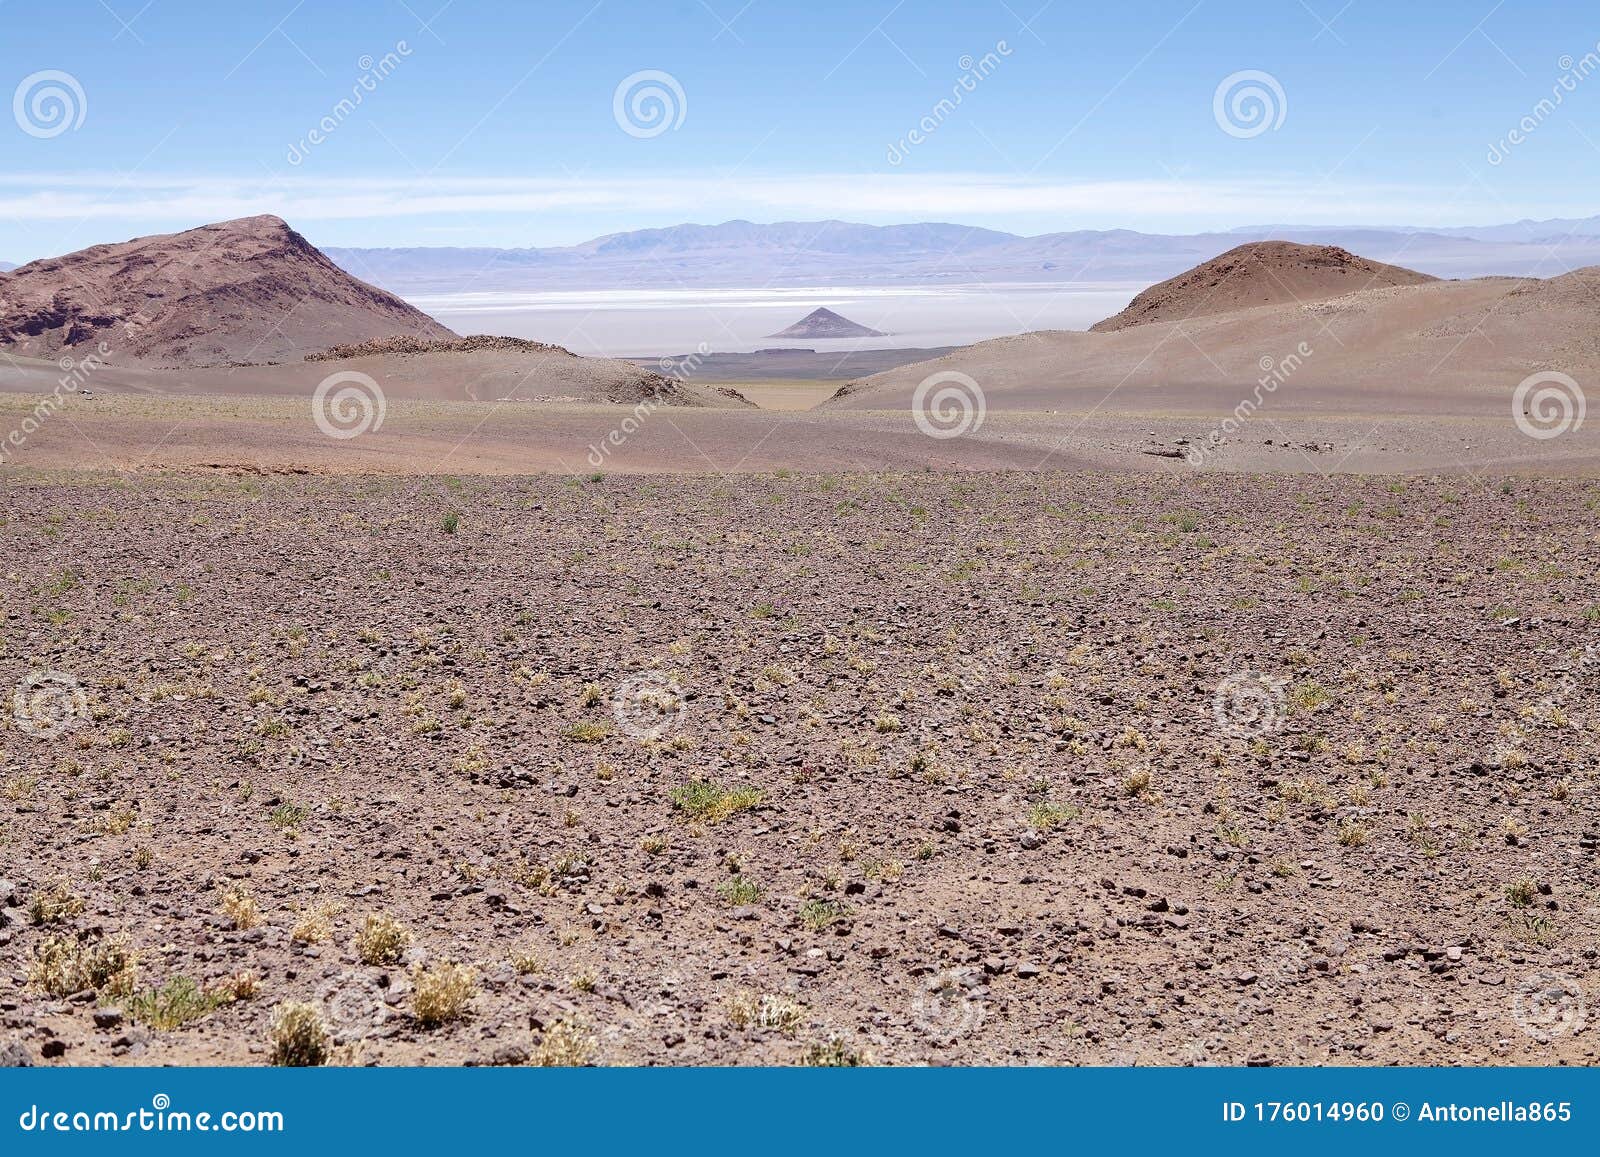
(635, 324)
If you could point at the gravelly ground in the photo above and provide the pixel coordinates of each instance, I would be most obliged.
(1062, 769)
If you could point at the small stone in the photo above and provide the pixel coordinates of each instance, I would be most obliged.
(510, 1055)
(53, 1048)
(107, 1017)
(1247, 977)
(1031, 840)
(1027, 970)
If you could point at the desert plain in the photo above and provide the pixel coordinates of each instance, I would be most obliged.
(578, 714)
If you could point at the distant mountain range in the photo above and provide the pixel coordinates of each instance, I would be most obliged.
(813, 253)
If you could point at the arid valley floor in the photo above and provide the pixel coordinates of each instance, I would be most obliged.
(1216, 686)
(804, 765)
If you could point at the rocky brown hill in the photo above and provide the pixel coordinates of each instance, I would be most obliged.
(236, 292)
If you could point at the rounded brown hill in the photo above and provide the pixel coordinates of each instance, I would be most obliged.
(235, 292)
(1260, 273)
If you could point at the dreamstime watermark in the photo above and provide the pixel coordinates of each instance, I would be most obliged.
(649, 705)
(679, 368)
(600, 452)
(1547, 404)
(1277, 972)
(160, 1117)
(75, 372)
(348, 404)
(973, 73)
(949, 1006)
(45, 704)
(1551, 709)
(648, 103)
(1248, 103)
(1548, 1006)
(1274, 373)
(355, 1005)
(48, 103)
(373, 73)
(948, 404)
(1573, 73)
(1248, 705)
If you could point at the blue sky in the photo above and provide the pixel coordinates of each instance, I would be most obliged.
(496, 122)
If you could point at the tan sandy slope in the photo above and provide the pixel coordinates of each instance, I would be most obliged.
(1438, 347)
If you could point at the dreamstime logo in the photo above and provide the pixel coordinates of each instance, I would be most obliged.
(1547, 405)
(47, 104)
(1248, 705)
(956, 405)
(649, 705)
(648, 103)
(45, 704)
(350, 411)
(1568, 685)
(681, 369)
(355, 1005)
(1277, 973)
(946, 1008)
(600, 452)
(973, 73)
(1548, 1006)
(1248, 103)
(372, 72)
(1573, 73)
(687, 366)
(75, 372)
(1274, 373)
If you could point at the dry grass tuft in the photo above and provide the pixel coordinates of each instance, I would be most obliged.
(315, 925)
(748, 1009)
(382, 939)
(442, 993)
(240, 907)
(54, 905)
(565, 1045)
(834, 1053)
(297, 1038)
(711, 802)
(62, 966)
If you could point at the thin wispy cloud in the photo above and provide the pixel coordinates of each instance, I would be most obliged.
(976, 198)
